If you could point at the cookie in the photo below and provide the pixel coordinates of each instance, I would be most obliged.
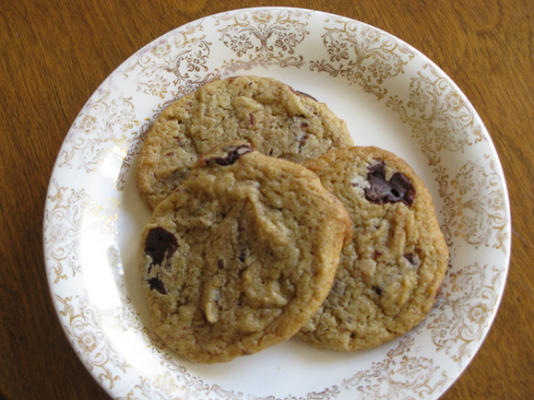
(241, 255)
(268, 114)
(388, 277)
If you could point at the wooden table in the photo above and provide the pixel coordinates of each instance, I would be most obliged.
(54, 54)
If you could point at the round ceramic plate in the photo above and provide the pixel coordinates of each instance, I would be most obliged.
(390, 95)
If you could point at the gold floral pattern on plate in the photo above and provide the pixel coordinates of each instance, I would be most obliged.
(361, 55)
(133, 151)
(173, 67)
(463, 317)
(263, 38)
(61, 228)
(422, 375)
(440, 117)
(102, 126)
(63, 223)
(89, 340)
(479, 215)
(88, 212)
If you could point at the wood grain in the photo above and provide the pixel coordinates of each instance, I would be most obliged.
(56, 53)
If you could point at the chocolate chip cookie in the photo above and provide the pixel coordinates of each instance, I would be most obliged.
(241, 255)
(389, 276)
(277, 120)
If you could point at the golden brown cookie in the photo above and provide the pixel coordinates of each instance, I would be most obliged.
(389, 276)
(240, 255)
(268, 114)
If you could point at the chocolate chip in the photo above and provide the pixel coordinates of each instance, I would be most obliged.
(156, 284)
(220, 264)
(242, 254)
(377, 289)
(232, 154)
(380, 191)
(158, 243)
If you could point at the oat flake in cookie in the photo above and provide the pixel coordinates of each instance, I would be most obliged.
(270, 115)
(389, 276)
(241, 255)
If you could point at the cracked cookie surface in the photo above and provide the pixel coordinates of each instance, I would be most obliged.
(240, 255)
(270, 115)
(390, 274)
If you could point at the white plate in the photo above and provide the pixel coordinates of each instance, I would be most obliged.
(390, 95)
